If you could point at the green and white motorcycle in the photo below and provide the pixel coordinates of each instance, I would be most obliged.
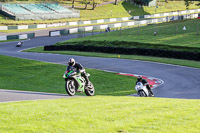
(74, 82)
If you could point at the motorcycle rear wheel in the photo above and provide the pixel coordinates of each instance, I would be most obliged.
(89, 90)
(70, 87)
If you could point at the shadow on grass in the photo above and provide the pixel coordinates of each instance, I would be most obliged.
(133, 12)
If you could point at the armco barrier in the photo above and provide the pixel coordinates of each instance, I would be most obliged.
(21, 36)
(123, 24)
(128, 51)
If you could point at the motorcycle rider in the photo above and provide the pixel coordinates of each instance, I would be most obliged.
(144, 82)
(79, 68)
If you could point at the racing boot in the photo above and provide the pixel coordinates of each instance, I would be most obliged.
(86, 79)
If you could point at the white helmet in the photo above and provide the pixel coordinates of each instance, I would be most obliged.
(71, 62)
(139, 77)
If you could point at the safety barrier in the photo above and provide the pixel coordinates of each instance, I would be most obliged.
(21, 36)
(122, 24)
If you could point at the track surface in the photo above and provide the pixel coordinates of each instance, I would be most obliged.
(179, 82)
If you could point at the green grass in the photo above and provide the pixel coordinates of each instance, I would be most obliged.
(188, 63)
(102, 12)
(169, 36)
(101, 114)
(29, 75)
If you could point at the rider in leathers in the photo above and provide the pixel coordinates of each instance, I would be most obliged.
(79, 68)
(144, 82)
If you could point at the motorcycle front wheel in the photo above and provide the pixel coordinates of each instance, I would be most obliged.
(89, 90)
(142, 94)
(70, 87)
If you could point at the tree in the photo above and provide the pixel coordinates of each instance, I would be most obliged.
(188, 2)
(94, 3)
(73, 3)
(115, 2)
(86, 2)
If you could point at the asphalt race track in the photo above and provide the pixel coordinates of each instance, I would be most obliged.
(179, 81)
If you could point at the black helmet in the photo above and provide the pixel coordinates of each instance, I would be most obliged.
(71, 62)
(139, 78)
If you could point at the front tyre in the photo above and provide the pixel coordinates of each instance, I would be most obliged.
(70, 87)
(89, 90)
(142, 94)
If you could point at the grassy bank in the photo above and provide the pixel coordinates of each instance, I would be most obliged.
(101, 114)
(29, 75)
(188, 63)
(169, 36)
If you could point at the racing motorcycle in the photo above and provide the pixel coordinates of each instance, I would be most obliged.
(74, 82)
(19, 44)
(142, 90)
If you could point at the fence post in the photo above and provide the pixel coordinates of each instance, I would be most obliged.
(176, 30)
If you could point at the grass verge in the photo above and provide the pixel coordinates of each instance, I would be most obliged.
(101, 114)
(169, 36)
(188, 63)
(29, 75)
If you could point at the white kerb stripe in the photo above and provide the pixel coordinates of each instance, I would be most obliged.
(166, 14)
(118, 25)
(74, 30)
(86, 22)
(175, 13)
(124, 19)
(89, 28)
(55, 33)
(100, 21)
(63, 24)
(73, 23)
(3, 27)
(2, 38)
(155, 20)
(156, 15)
(41, 26)
(130, 23)
(183, 12)
(191, 11)
(20, 27)
(113, 19)
(103, 26)
(136, 17)
(23, 36)
(49, 25)
(56, 24)
(147, 16)
(143, 22)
